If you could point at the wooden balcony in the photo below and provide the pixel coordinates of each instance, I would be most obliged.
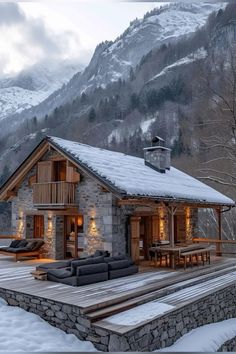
(54, 194)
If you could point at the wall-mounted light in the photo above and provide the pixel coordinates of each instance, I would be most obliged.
(49, 218)
(20, 217)
(80, 220)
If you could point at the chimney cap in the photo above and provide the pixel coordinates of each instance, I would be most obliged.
(157, 139)
(156, 148)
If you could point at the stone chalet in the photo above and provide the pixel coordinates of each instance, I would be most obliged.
(81, 198)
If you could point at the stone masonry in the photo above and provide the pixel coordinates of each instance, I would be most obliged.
(160, 332)
(106, 224)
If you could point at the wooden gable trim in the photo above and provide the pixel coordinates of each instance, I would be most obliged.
(23, 169)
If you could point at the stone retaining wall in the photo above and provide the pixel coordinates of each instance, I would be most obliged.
(229, 346)
(158, 333)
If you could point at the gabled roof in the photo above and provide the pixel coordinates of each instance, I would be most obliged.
(131, 177)
(126, 175)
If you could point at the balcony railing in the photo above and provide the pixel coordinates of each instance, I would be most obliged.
(54, 194)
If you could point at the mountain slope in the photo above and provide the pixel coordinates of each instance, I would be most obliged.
(32, 86)
(113, 60)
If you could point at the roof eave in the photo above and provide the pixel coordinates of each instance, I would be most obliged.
(178, 200)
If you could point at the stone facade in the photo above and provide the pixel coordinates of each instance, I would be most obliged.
(106, 224)
(160, 332)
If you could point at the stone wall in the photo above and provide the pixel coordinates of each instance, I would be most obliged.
(160, 332)
(59, 238)
(229, 346)
(22, 203)
(106, 224)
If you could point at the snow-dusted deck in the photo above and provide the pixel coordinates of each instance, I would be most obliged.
(148, 283)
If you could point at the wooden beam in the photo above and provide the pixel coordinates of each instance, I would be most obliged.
(165, 203)
(135, 237)
(213, 240)
(71, 211)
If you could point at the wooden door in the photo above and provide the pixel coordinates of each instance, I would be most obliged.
(72, 227)
(38, 226)
(179, 228)
(135, 238)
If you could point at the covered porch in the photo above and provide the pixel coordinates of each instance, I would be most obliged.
(159, 232)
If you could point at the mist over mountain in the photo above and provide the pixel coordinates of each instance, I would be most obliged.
(33, 85)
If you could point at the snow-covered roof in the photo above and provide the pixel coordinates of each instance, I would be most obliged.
(130, 176)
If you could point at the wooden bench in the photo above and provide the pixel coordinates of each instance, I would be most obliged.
(204, 254)
(20, 255)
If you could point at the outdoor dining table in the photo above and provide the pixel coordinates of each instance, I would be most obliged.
(174, 253)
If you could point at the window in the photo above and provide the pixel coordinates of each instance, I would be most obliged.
(38, 226)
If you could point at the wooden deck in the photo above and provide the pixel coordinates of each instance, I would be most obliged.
(149, 283)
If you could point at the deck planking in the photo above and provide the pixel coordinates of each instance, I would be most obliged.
(17, 277)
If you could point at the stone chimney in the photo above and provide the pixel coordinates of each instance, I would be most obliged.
(157, 156)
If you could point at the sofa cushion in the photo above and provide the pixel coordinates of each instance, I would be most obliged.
(60, 273)
(31, 245)
(118, 264)
(83, 262)
(92, 269)
(116, 258)
(91, 278)
(118, 273)
(38, 245)
(54, 265)
(22, 243)
(68, 281)
(14, 243)
(101, 253)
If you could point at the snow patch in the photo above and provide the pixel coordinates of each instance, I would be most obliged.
(27, 332)
(208, 338)
(139, 313)
(146, 125)
(201, 53)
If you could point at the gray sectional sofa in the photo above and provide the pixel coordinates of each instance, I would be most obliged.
(89, 270)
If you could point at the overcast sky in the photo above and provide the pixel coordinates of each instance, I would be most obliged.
(32, 32)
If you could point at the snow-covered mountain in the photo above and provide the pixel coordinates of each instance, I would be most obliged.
(114, 60)
(32, 86)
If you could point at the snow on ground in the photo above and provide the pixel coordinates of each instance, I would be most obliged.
(146, 125)
(201, 53)
(139, 313)
(208, 338)
(24, 331)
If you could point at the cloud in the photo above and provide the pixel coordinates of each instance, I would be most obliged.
(28, 39)
(10, 14)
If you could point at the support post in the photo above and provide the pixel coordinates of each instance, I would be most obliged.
(219, 245)
(135, 237)
(172, 211)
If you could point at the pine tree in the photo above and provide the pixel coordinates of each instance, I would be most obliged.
(92, 115)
